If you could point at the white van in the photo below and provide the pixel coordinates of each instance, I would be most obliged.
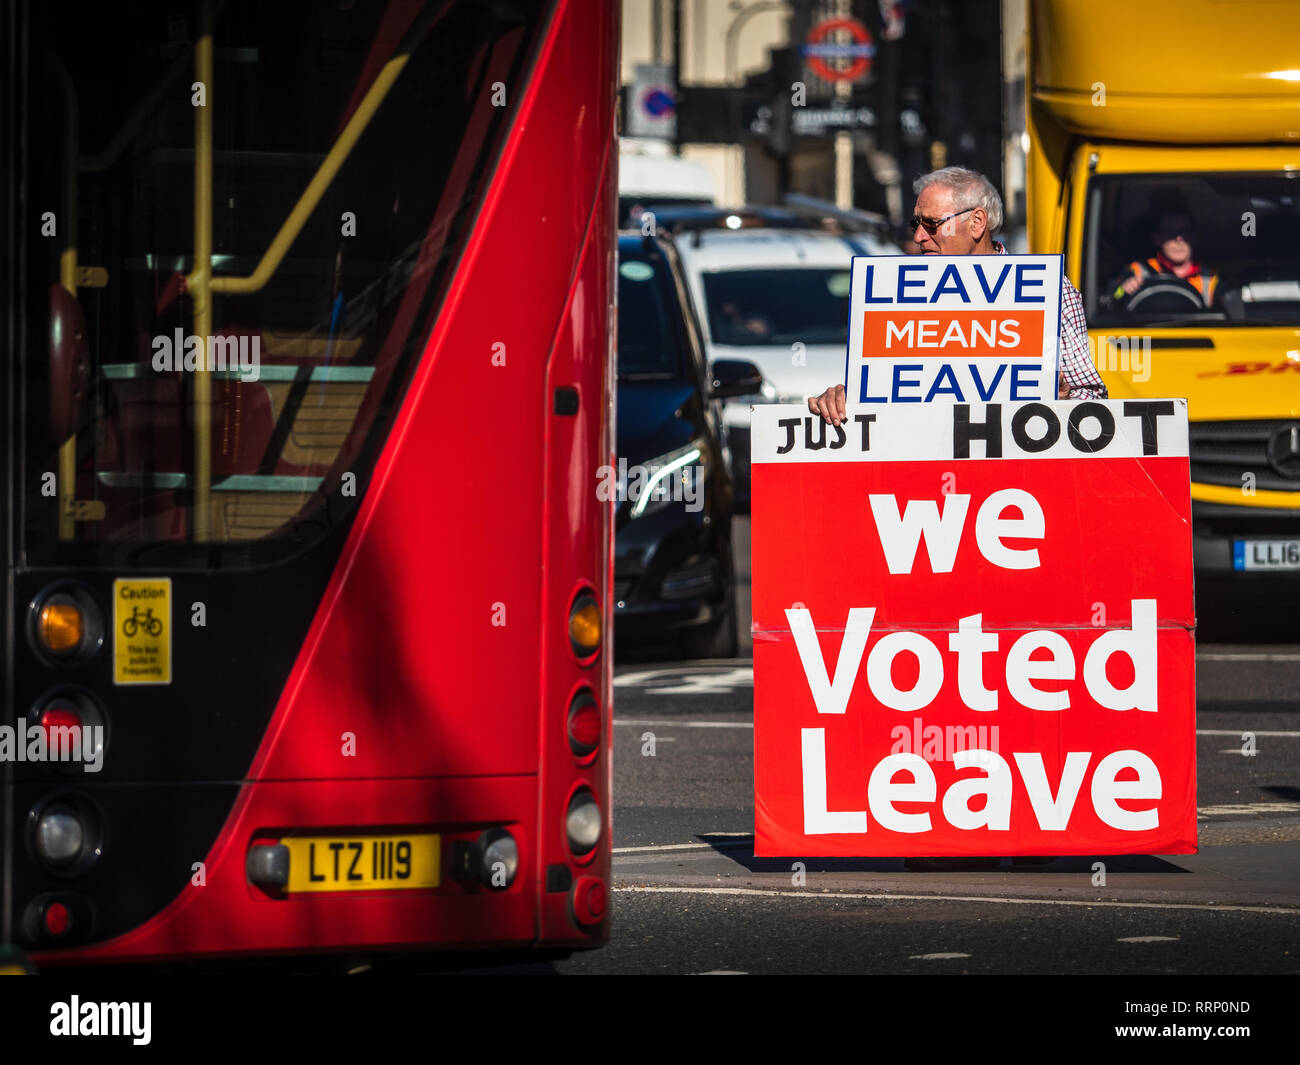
(648, 181)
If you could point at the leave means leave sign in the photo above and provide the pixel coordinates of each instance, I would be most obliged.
(953, 328)
(973, 630)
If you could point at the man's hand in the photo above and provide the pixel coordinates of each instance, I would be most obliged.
(1062, 388)
(830, 405)
(1131, 284)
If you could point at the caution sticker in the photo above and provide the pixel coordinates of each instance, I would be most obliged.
(142, 631)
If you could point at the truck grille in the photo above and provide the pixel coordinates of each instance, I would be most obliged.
(1224, 452)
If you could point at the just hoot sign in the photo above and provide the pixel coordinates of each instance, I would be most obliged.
(973, 630)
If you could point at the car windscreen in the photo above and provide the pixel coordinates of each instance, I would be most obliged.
(1193, 249)
(778, 306)
(647, 341)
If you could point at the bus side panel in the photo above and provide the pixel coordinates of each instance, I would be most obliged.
(577, 551)
(403, 654)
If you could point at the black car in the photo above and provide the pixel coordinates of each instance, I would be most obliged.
(673, 571)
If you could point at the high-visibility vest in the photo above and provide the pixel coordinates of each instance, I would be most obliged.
(1204, 283)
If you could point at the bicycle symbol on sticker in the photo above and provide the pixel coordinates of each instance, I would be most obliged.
(142, 620)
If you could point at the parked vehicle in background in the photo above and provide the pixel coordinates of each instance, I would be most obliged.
(648, 178)
(1202, 168)
(684, 218)
(674, 576)
(772, 287)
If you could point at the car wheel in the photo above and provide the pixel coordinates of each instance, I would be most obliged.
(720, 638)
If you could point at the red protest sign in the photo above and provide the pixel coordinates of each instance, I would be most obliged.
(973, 631)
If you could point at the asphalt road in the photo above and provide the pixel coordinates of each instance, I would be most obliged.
(690, 897)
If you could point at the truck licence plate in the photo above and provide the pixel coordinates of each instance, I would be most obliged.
(1265, 554)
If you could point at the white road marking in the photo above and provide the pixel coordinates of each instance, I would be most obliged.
(937, 957)
(724, 972)
(1231, 809)
(745, 667)
(889, 897)
(1148, 939)
(709, 683)
(639, 721)
(1245, 656)
(1238, 732)
(686, 846)
(699, 680)
(631, 680)
(743, 838)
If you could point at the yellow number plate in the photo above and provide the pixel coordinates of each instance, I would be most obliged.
(362, 863)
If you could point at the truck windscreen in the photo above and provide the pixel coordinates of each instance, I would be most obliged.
(1194, 249)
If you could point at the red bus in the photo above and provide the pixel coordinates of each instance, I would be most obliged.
(306, 313)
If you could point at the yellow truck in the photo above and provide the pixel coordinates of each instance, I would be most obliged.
(1164, 162)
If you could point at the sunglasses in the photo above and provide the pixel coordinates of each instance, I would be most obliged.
(932, 224)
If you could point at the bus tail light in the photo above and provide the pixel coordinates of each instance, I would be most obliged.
(56, 919)
(584, 725)
(60, 836)
(584, 626)
(60, 626)
(498, 858)
(65, 626)
(267, 865)
(582, 823)
(590, 899)
(65, 834)
(491, 860)
(74, 729)
(62, 716)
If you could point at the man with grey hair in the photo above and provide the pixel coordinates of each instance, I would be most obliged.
(958, 212)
